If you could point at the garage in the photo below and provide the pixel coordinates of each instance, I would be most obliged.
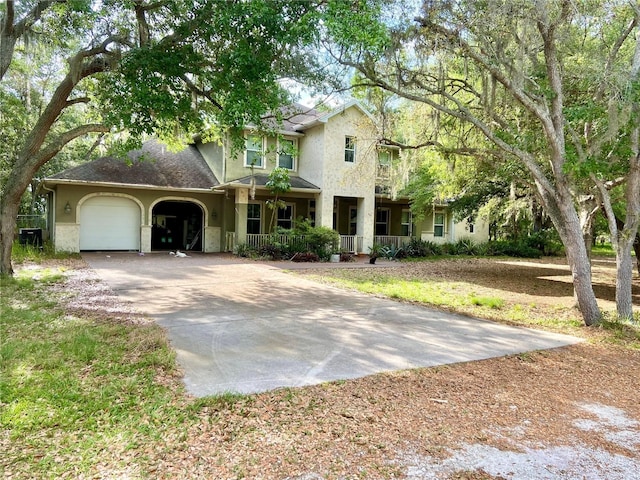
(109, 223)
(177, 225)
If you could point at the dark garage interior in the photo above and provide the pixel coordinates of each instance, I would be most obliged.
(177, 226)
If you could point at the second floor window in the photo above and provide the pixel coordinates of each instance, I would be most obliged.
(254, 155)
(349, 149)
(286, 154)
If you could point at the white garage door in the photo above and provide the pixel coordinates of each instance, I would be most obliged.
(109, 223)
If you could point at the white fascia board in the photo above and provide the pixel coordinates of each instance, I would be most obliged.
(84, 183)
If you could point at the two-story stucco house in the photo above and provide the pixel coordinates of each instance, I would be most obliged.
(210, 196)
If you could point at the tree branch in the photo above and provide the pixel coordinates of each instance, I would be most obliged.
(10, 33)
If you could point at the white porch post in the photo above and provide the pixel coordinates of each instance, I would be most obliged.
(366, 221)
(242, 200)
(324, 210)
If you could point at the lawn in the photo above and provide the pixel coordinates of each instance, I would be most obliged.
(90, 389)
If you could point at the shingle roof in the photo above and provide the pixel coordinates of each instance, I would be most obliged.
(186, 169)
(294, 118)
(261, 181)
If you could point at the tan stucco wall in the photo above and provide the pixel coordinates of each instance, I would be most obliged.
(67, 229)
(213, 153)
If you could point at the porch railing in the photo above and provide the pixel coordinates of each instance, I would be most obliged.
(257, 240)
(348, 243)
(392, 240)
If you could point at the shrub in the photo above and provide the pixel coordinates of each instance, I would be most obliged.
(346, 257)
(272, 252)
(323, 241)
(422, 248)
(244, 250)
(392, 252)
(463, 246)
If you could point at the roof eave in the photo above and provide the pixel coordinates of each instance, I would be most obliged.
(62, 181)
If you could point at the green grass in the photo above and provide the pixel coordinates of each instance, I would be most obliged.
(78, 392)
(461, 298)
(23, 253)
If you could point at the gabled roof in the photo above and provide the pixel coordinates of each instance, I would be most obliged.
(326, 116)
(186, 169)
(261, 179)
(297, 118)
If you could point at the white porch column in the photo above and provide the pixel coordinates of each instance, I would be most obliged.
(366, 221)
(324, 210)
(242, 200)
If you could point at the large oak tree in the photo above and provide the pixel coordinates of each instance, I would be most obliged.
(551, 84)
(165, 67)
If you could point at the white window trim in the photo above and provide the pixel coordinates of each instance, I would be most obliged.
(443, 224)
(410, 223)
(349, 149)
(262, 152)
(294, 142)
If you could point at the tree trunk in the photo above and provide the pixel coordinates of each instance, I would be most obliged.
(8, 215)
(624, 275)
(564, 216)
(636, 249)
(587, 208)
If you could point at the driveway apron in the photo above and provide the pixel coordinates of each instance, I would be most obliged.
(252, 327)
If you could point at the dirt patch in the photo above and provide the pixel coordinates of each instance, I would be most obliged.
(566, 413)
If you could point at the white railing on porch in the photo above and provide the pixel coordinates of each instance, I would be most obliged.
(350, 243)
(257, 240)
(391, 240)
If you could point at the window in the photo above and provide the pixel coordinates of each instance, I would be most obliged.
(406, 223)
(384, 157)
(470, 225)
(353, 220)
(286, 154)
(438, 225)
(382, 221)
(285, 217)
(254, 155)
(254, 214)
(350, 149)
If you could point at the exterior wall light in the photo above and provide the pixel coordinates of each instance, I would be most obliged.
(67, 208)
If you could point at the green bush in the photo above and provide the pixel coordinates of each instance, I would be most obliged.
(323, 241)
(422, 248)
(244, 250)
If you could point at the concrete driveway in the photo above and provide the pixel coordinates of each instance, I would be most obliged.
(248, 327)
